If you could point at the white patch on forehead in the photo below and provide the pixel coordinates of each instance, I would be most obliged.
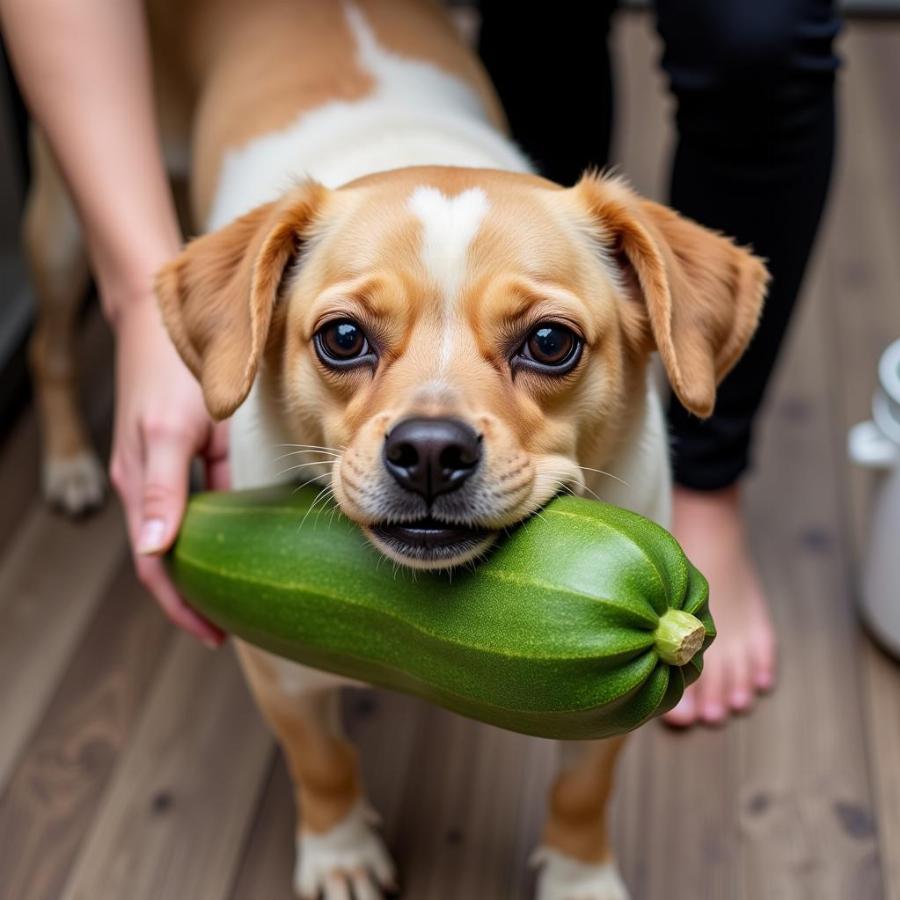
(449, 225)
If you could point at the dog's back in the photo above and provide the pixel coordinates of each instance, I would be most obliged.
(288, 88)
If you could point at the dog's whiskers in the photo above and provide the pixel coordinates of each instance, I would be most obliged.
(312, 447)
(326, 494)
(602, 472)
(318, 462)
(323, 452)
(566, 485)
(540, 515)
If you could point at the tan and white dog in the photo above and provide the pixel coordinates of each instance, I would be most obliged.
(448, 339)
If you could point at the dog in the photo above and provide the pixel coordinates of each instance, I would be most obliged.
(447, 339)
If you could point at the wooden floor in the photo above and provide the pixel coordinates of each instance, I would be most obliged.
(133, 765)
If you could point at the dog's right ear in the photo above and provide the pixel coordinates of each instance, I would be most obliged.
(700, 294)
(217, 296)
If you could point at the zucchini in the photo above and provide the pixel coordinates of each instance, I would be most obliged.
(585, 622)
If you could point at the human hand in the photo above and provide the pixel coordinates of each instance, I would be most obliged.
(87, 75)
(161, 423)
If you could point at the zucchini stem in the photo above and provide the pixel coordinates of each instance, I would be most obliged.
(679, 636)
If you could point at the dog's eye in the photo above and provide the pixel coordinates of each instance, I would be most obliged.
(550, 344)
(342, 342)
(551, 348)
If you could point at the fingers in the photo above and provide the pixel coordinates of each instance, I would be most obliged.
(167, 457)
(154, 577)
(160, 425)
(153, 488)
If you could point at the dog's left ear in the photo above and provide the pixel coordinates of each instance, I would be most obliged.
(700, 294)
(217, 296)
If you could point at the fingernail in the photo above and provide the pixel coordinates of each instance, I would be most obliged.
(150, 539)
(713, 712)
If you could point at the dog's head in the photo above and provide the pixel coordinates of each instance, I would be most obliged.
(468, 342)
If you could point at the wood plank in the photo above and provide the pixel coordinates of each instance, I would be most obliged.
(806, 810)
(863, 263)
(44, 609)
(864, 271)
(19, 480)
(177, 813)
(674, 814)
(385, 727)
(881, 675)
(267, 863)
(472, 809)
(53, 794)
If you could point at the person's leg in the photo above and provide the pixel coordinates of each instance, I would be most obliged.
(754, 82)
(551, 68)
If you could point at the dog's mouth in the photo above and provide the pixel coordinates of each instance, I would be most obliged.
(431, 542)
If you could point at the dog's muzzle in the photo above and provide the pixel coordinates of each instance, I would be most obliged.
(430, 457)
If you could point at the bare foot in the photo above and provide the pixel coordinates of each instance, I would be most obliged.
(741, 662)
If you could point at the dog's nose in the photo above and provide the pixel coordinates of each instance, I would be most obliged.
(431, 456)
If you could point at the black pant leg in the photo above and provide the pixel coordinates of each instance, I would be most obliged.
(754, 84)
(551, 66)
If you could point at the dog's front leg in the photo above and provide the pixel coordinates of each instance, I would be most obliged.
(575, 856)
(338, 850)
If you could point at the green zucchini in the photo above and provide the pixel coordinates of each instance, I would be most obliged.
(585, 622)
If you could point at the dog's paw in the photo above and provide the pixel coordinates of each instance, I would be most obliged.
(350, 860)
(564, 878)
(74, 484)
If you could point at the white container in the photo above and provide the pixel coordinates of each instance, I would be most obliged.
(876, 445)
